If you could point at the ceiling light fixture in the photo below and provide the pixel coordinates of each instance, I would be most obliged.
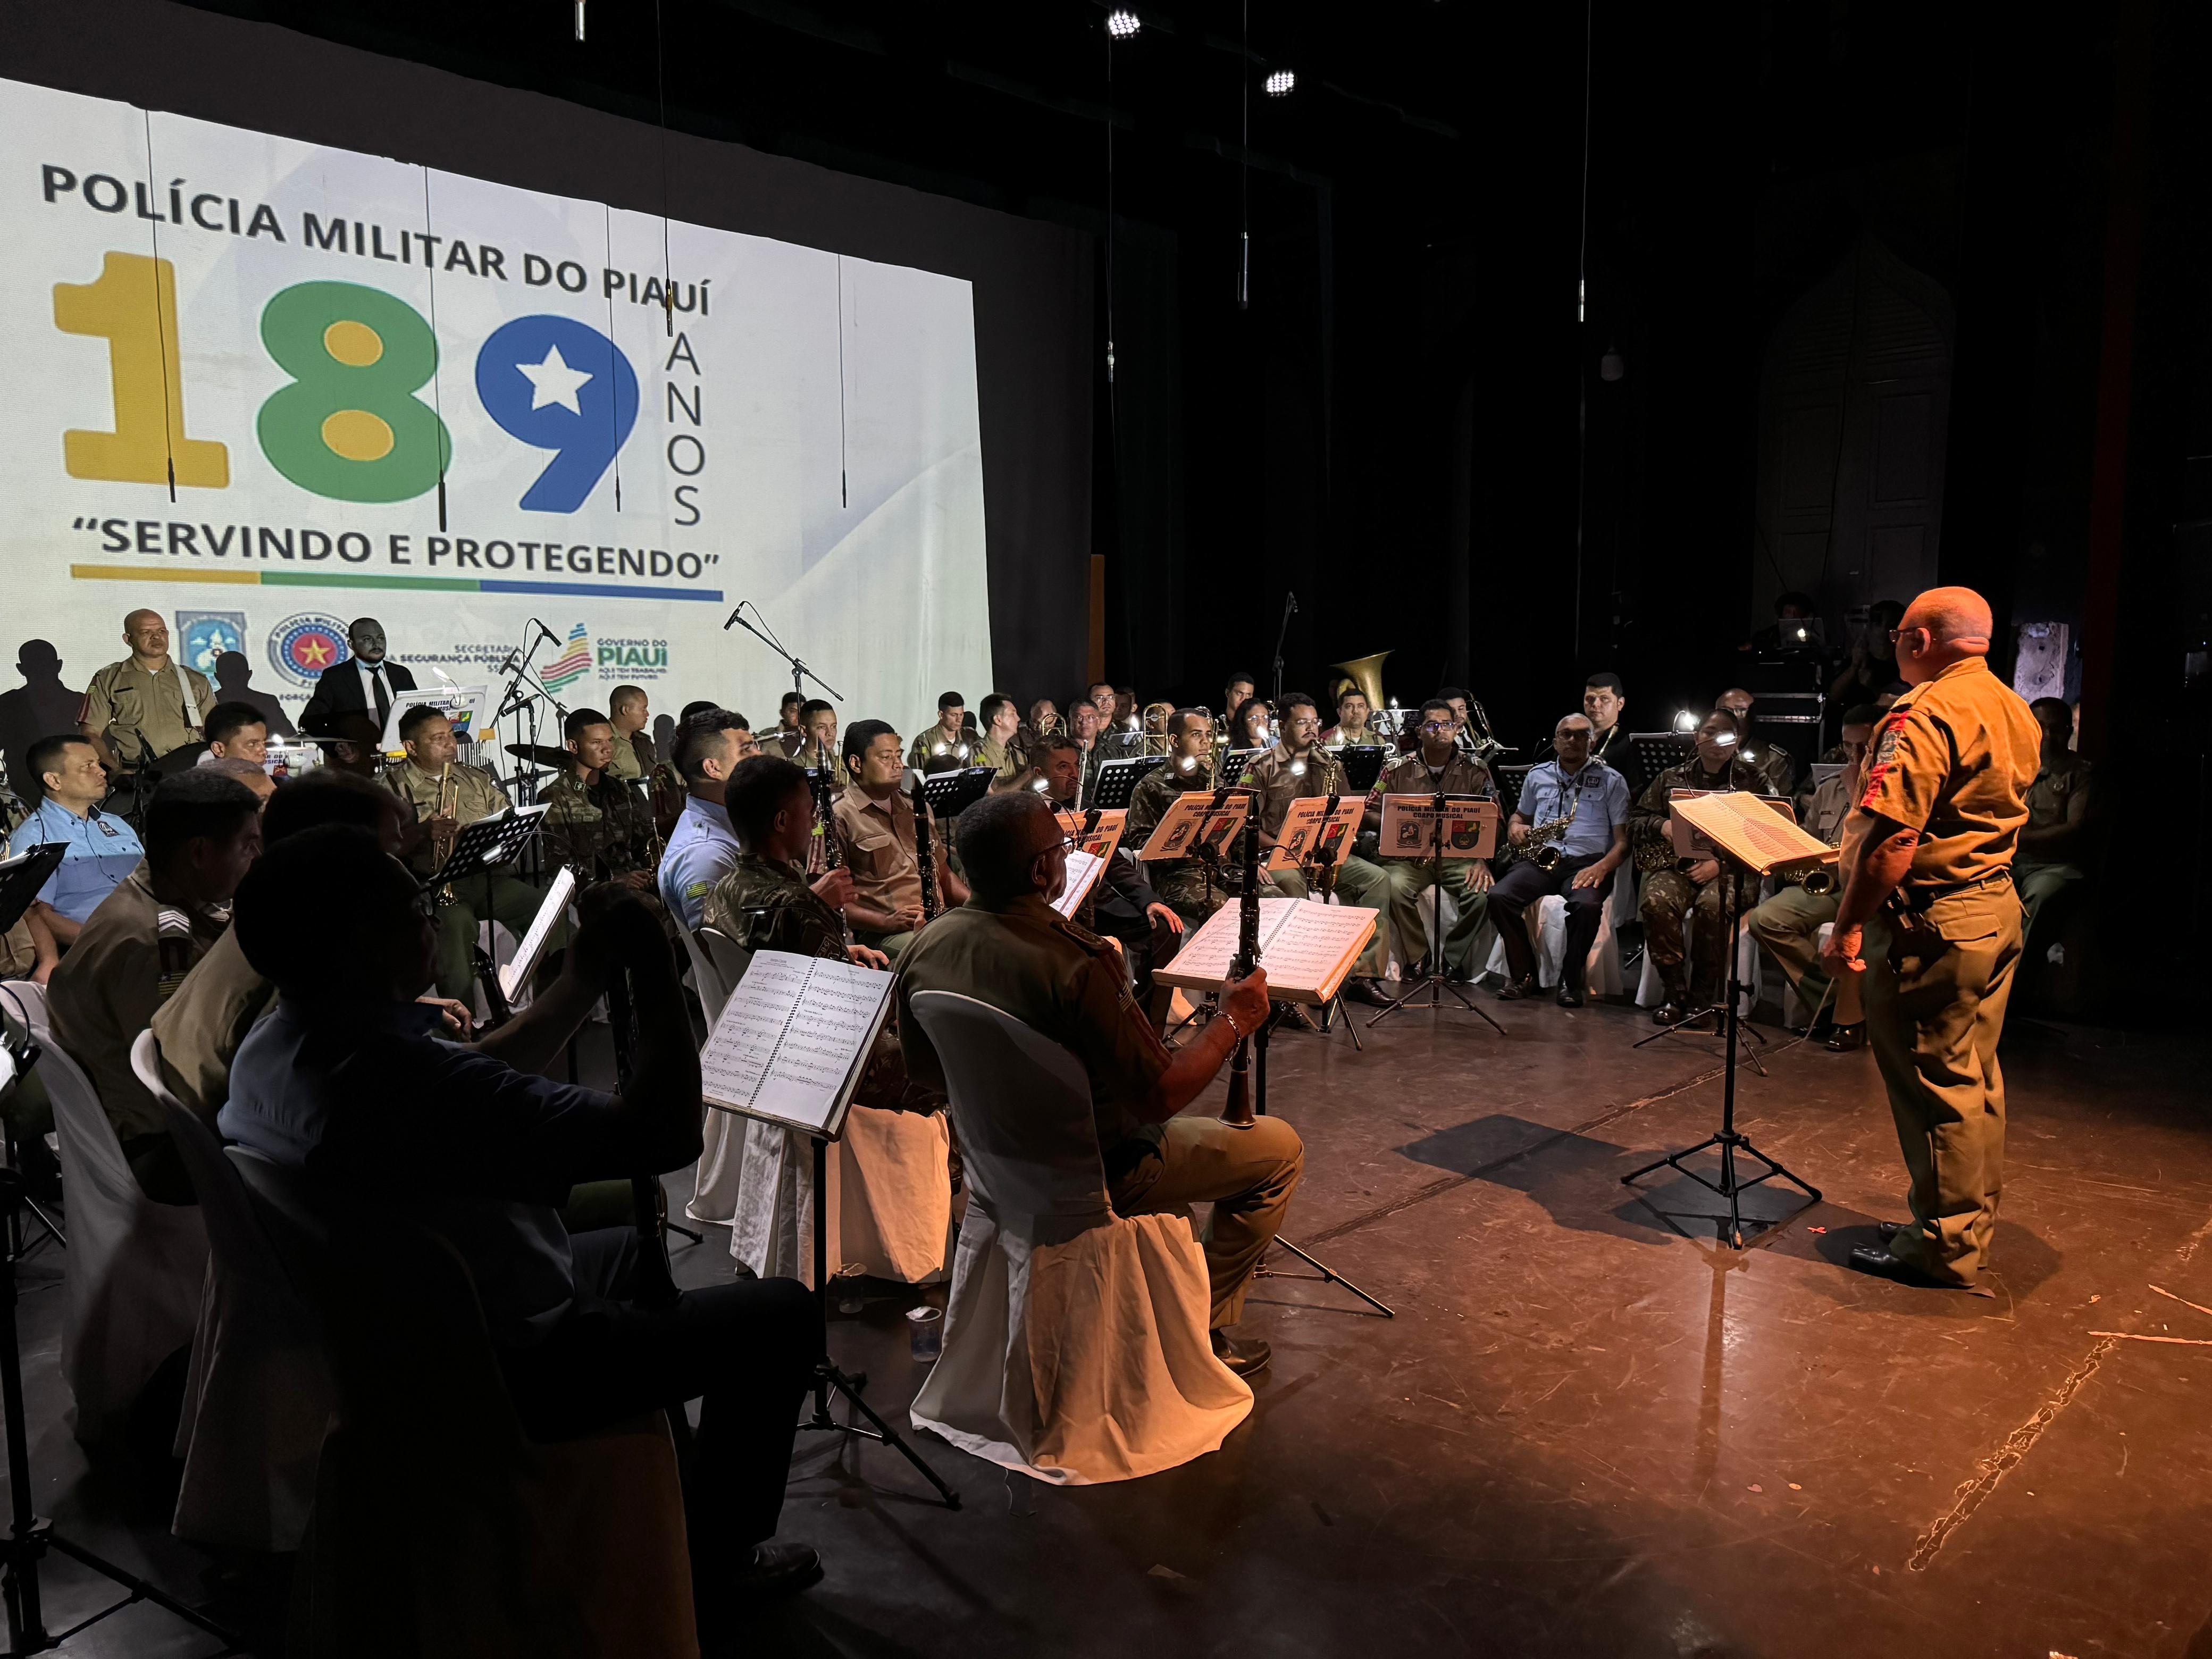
(1279, 84)
(1122, 24)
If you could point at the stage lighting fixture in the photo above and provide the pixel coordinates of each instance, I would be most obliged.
(1122, 24)
(1611, 366)
(1279, 84)
(1686, 721)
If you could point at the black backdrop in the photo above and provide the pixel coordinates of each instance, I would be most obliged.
(1033, 281)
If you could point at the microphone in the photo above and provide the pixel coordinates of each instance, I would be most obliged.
(551, 638)
(734, 615)
(1290, 603)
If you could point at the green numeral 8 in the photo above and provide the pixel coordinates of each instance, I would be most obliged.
(350, 426)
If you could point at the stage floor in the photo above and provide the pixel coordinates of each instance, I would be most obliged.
(1589, 1430)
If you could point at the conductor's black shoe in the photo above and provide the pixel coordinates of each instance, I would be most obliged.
(1866, 1259)
(1242, 1355)
(1367, 991)
(1514, 989)
(1842, 1039)
(775, 1569)
(1889, 1230)
(1669, 1013)
(1569, 996)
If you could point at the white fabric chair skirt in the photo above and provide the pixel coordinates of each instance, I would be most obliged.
(136, 1269)
(714, 1183)
(890, 1196)
(1076, 1343)
(1651, 991)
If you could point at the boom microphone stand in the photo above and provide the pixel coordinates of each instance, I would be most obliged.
(1729, 1142)
(1290, 610)
(800, 673)
(30, 1534)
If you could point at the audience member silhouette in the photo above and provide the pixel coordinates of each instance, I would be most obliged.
(39, 707)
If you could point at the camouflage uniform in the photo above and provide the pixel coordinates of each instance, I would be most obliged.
(601, 830)
(1181, 882)
(766, 906)
(1669, 896)
(1357, 882)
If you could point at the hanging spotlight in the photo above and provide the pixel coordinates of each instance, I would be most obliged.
(1279, 83)
(1122, 24)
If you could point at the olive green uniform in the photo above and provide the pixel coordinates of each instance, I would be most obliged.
(1408, 878)
(143, 716)
(2042, 872)
(1357, 882)
(1670, 898)
(1953, 760)
(946, 754)
(1068, 985)
(601, 828)
(1182, 884)
(477, 899)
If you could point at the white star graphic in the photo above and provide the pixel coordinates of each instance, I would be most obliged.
(553, 381)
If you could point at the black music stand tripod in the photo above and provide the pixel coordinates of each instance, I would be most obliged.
(1433, 983)
(1740, 1033)
(1729, 1141)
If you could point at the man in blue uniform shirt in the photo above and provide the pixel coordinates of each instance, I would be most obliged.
(103, 849)
(1593, 843)
(701, 847)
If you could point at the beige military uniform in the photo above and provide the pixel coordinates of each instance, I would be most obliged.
(1003, 758)
(199, 1028)
(471, 792)
(876, 841)
(626, 763)
(1280, 780)
(1405, 880)
(143, 716)
(1953, 759)
(1068, 985)
(1788, 924)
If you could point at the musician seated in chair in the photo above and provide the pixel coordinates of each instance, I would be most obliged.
(600, 826)
(2054, 844)
(1123, 902)
(348, 1081)
(1009, 948)
(236, 731)
(707, 750)
(1577, 808)
(1437, 765)
(1193, 888)
(766, 903)
(1674, 889)
(1298, 768)
(874, 823)
(1352, 728)
(1788, 924)
(101, 849)
(445, 797)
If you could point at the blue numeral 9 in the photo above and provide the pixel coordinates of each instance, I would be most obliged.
(560, 385)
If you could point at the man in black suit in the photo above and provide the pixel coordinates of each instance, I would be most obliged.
(364, 683)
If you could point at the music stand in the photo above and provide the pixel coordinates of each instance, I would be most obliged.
(20, 879)
(1362, 763)
(478, 849)
(1440, 808)
(1118, 779)
(1738, 857)
(949, 793)
(1654, 752)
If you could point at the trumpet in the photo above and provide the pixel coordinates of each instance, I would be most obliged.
(441, 842)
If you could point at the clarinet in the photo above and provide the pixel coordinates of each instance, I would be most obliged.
(1237, 1114)
(925, 859)
(825, 839)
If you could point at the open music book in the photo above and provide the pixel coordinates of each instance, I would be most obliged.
(1082, 872)
(517, 973)
(1307, 948)
(1749, 830)
(793, 1039)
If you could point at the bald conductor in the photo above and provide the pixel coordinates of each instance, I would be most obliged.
(1928, 913)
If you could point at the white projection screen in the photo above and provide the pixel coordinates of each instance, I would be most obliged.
(459, 406)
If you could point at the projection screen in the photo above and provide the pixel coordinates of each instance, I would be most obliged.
(263, 387)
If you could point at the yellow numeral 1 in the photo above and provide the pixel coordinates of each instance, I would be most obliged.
(133, 307)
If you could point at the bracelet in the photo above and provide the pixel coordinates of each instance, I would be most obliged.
(1231, 1018)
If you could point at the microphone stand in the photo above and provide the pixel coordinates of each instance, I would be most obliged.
(800, 673)
(1290, 609)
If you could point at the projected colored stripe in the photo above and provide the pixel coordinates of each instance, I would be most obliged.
(136, 573)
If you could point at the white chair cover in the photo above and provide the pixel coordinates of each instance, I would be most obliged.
(257, 1401)
(1546, 921)
(891, 1182)
(136, 1268)
(714, 1184)
(1076, 1348)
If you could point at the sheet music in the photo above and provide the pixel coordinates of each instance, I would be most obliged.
(1082, 872)
(791, 1040)
(541, 929)
(1305, 947)
(1749, 830)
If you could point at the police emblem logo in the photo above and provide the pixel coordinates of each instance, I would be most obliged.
(205, 636)
(303, 647)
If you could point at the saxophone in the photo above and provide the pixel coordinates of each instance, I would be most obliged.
(1543, 848)
(441, 842)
